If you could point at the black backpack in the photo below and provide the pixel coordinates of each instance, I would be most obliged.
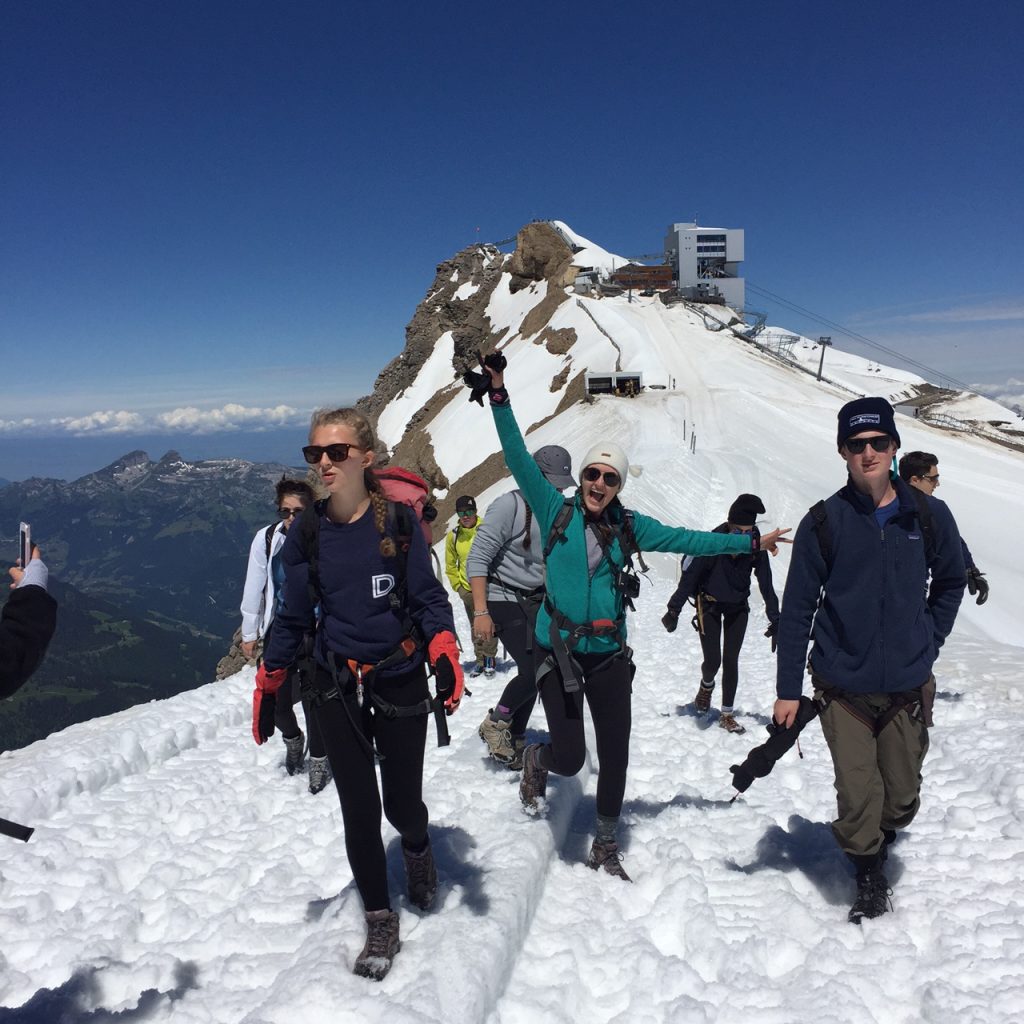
(924, 519)
(627, 580)
(405, 522)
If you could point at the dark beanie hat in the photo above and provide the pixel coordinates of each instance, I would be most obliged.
(866, 414)
(465, 505)
(745, 510)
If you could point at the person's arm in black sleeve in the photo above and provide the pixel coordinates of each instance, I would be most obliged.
(948, 575)
(763, 572)
(294, 620)
(26, 626)
(807, 575)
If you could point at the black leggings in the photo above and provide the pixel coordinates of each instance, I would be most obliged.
(608, 688)
(400, 743)
(515, 630)
(284, 714)
(722, 650)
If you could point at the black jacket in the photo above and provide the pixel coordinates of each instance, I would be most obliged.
(26, 626)
(726, 578)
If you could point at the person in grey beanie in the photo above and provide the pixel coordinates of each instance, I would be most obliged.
(506, 575)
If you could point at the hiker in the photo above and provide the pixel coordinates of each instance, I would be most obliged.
(858, 591)
(580, 636)
(720, 586)
(261, 602)
(506, 575)
(382, 613)
(921, 470)
(27, 623)
(456, 553)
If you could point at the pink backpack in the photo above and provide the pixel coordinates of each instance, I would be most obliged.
(406, 487)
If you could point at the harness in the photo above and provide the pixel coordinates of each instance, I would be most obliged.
(626, 582)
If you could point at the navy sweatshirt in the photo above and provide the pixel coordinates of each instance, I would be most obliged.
(881, 622)
(355, 579)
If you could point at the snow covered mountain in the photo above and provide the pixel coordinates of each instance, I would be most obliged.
(178, 874)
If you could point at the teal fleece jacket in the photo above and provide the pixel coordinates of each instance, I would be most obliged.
(570, 587)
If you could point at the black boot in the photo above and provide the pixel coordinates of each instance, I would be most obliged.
(420, 876)
(873, 890)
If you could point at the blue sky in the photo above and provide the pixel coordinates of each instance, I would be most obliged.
(216, 216)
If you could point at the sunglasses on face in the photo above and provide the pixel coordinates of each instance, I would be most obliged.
(592, 474)
(467, 515)
(856, 445)
(933, 479)
(289, 513)
(313, 453)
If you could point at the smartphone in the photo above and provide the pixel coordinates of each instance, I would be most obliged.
(24, 544)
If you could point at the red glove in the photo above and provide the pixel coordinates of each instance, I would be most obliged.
(443, 653)
(264, 701)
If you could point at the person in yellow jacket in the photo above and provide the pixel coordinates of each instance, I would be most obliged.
(456, 551)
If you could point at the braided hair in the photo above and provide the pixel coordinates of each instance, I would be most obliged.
(367, 440)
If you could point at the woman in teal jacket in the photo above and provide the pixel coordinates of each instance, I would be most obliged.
(581, 628)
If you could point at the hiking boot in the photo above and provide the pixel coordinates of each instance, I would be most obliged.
(420, 876)
(319, 773)
(478, 671)
(489, 668)
(534, 782)
(702, 702)
(607, 856)
(294, 750)
(498, 739)
(382, 944)
(727, 720)
(518, 745)
(873, 894)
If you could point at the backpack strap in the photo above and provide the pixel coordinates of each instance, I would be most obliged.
(558, 527)
(268, 539)
(927, 524)
(823, 531)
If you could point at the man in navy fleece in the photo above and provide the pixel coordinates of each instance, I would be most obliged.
(875, 634)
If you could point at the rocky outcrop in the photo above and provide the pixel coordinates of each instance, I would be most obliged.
(541, 255)
(444, 309)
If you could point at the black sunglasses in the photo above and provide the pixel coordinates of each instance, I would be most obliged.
(313, 453)
(856, 445)
(592, 474)
(289, 513)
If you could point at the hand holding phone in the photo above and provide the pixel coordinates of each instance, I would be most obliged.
(24, 544)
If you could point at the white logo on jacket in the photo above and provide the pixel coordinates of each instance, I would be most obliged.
(383, 584)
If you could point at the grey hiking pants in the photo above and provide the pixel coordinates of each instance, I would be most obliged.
(878, 779)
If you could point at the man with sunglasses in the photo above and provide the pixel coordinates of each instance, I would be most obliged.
(921, 470)
(261, 601)
(456, 559)
(876, 599)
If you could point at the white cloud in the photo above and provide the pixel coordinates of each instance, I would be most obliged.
(190, 420)
(1009, 393)
(182, 420)
(17, 426)
(108, 422)
(992, 313)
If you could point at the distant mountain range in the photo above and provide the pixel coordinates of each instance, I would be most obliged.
(147, 560)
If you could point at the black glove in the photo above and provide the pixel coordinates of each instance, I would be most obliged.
(670, 620)
(773, 628)
(445, 683)
(480, 383)
(265, 716)
(977, 584)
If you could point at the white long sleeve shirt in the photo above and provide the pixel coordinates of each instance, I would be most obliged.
(258, 595)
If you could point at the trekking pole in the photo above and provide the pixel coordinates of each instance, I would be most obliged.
(15, 831)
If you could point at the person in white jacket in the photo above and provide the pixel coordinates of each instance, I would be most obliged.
(261, 600)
